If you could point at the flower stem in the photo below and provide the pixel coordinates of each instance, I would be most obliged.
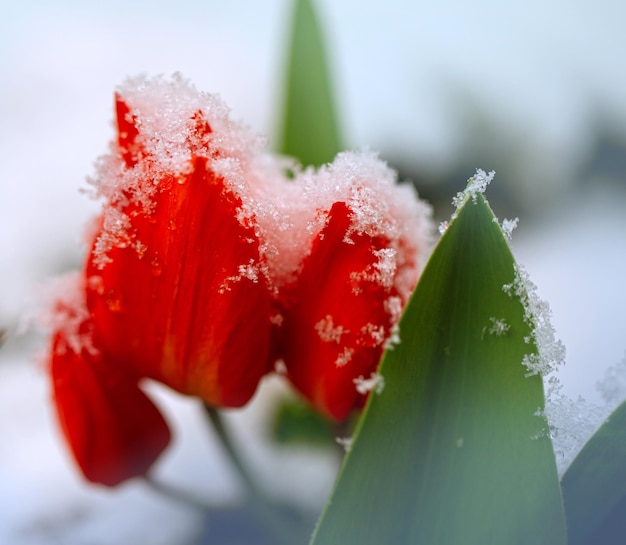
(225, 438)
(176, 494)
(283, 526)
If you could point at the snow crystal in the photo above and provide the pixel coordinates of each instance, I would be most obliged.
(345, 442)
(393, 307)
(374, 332)
(498, 327)
(475, 185)
(176, 125)
(571, 422)
(290, 217)
(382, 271)
(115, 233)
(250, 271)
(393, 339)
(277, 319)
(328, 332)
(571, 425)
(376, 383)
(344, 357)
(537, 314)
(66, 311)
(508, 226)
(386, 266)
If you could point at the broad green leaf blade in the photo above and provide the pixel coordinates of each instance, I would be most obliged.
(310, 131)
(451, 451)
(594, 486)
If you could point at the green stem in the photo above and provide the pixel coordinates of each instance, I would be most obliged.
(265, 511)
(226, 440)
(177, 495)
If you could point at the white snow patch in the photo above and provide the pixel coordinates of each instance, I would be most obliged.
(499, 326)
(328, 332)
(345, 442)
(475, 185)
(344, 357)
(572, 423)
(550, 352)
(65, 311)
(374, 332)
(376, 382)
(508, 226)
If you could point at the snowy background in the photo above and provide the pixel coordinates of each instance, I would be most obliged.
(535, 90)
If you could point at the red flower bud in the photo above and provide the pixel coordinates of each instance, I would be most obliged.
(342, 309)
(113, 429)
(207, 265)
(173, 284)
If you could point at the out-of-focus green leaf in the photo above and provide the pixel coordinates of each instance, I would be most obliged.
(296, 422)
(451, 451)
(310, 131)
(594, 487)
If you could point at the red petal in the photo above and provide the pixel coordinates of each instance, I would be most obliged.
(127, 132)
(335, 329)
(180, 310)
(113, 429)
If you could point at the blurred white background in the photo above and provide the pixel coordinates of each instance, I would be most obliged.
(535, 90)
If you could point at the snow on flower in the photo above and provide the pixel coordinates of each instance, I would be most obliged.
(208, 266)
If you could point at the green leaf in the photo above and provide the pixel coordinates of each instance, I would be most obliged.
(310, 131)
(594, 486)
(297, 422)
(452, 451)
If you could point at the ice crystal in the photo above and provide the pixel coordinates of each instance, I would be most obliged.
(328, 332)
(498, 327)
(66, 311)
(345, 442)
(475, 186)
(508, 226)
(571, 424)
(344, 357)
(376, 383)
(550, 353)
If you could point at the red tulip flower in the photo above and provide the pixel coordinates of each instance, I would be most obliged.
(172, 289)
(362, 262)
(208, 265)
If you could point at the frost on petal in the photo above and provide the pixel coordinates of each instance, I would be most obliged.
(112, 428)
(176, 279)
(375, 383)
(328, 331)
(363, 240)
(163, 127)
(65, 312)
(291, 216)
(193, 310)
